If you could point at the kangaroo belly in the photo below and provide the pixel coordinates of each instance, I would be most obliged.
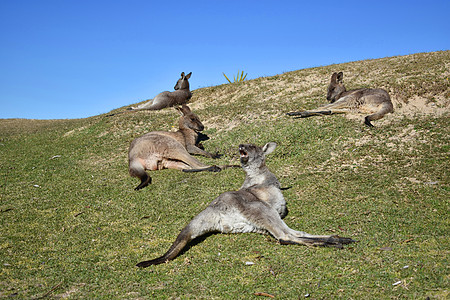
(156, 151)
(163, 98)
(235, 223)
(152, 162)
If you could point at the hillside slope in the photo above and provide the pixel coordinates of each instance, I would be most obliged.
(73, 227)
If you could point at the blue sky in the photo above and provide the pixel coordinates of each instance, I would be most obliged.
(64, 59)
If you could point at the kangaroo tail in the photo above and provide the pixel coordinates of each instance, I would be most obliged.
(213, 168)
(182, 240)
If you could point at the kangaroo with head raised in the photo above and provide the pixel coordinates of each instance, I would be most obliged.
(168, 150)
(258, 206)
(375, 102)
(180, 96)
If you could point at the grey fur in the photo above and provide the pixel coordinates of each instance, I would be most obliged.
(168, 150)
(375, 102)
(258, 206)
(180, 96)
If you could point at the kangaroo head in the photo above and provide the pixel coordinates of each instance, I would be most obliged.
(254, 156)
(336, 87)
(183, 83)
(188, 119)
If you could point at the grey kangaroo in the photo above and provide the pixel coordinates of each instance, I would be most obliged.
(168, 150)
(258, 206)
(180, 96)
(375, 102)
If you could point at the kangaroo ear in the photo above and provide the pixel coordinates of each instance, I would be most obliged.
(340, 76)
(180, 110)
(334, 77)
(185, 109)
(182, 74)
(269, 147)
(188, 75)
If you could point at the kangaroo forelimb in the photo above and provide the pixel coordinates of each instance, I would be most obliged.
(213, 168)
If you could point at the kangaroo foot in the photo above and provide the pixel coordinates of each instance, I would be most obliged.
(306, 114)
(331, 241)
(367, 122)
(335, 239)
(144, 182)
(297, 113)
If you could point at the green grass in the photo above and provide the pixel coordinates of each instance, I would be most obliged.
(73, 227)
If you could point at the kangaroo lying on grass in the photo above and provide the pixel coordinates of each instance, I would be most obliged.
(258, 206)
(375, 102)
(168, 150)
(180, 96)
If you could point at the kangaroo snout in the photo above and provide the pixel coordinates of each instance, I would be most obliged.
(201, 127)
(243, 154)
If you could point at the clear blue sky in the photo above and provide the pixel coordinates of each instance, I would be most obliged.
(75, 59)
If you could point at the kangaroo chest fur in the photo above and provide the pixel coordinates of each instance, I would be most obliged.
(270, 195)
(265, 186)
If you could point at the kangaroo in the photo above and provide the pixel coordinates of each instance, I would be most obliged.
(375, 102)
(168, 150)
(180, 96)
(258, 206)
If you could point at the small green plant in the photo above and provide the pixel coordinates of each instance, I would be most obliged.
(237, 78)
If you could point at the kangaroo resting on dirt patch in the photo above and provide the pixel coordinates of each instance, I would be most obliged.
(258, 206)
(180, 96)
(168, 150)
(375, 102)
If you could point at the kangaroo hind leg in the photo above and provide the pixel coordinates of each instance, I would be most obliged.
(385, 108)
(317, 240)
(285, 235)
(153, 104)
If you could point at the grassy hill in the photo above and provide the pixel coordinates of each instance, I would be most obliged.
(73, 227)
